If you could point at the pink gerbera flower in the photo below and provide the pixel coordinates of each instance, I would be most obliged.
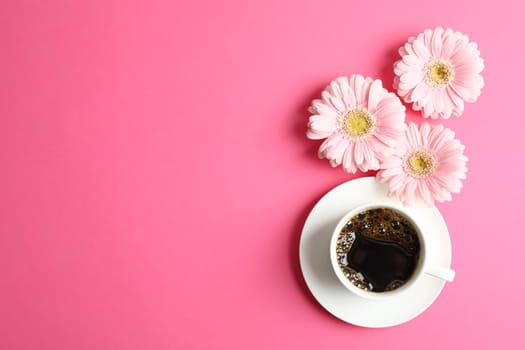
(360, 120)
(439, 70)
(428, 164)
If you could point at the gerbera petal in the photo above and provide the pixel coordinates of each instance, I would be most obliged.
(455, 98)
(375, 94)
(317, 135)
(409, 49)
(335, 102)
(465, 80)
(438, 136)
(322, 124)
(412, 134)
(473, 67)
(344, 86)
(437, 42)
(348, 159)
(439, 103)
(428, 110)
(329, 142)
(465, 53)
(451, 185)
(321, 117)
(396, 178)
(427, 37)
(410, 193)
(358, 154)
(426, 98)
(336, 90)
(460, 90)
(421, 50)
(424, 192)
(438, 192)
(419, 92)
(365, 92)
(356, 82)
(424, 134)
(413, 61)
(448, 44)
(401, 67)
(412, 78)
(402, 51)
(401, 184)
(448, 105)
(322, 108)
(369, 156)
(336, 151)
(388, 102)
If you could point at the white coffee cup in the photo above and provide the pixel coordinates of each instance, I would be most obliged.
(422, 267)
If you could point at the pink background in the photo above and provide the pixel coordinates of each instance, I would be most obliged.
(155, 173)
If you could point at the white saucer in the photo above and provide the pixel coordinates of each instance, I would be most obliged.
(322, 281)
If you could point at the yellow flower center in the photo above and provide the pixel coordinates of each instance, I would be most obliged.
(439, 73)
(421, 164)
(358, 123)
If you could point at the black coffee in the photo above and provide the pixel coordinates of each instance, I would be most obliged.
(378, 249)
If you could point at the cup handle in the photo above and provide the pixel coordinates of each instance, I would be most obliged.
(441, 273)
